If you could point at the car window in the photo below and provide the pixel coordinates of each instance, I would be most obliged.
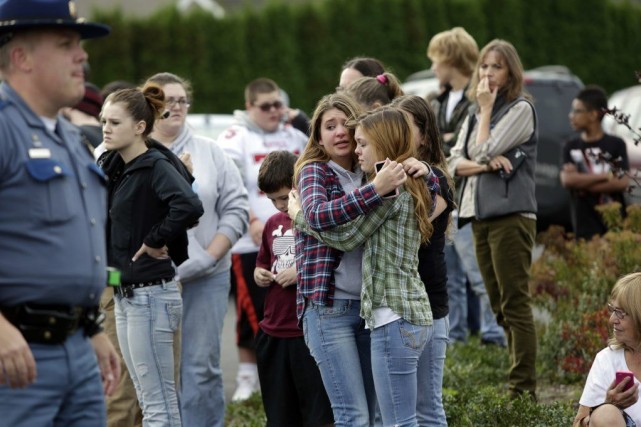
(553, 102)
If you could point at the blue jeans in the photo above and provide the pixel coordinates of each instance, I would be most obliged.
(429, 403)
(146, 324)
(67, 391)
(340, 344)
(202, 396)
(396, 348)
(462, 265)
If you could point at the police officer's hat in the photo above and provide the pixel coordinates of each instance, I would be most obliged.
(24, 14)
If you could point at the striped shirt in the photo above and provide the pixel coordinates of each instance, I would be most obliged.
(390, 258)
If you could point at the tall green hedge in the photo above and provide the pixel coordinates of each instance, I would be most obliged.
(302, 47)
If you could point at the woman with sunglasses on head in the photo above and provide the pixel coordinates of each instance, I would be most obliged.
(608, 399)
(205, 275)
(258, 131)
(394, 302)
(151, 205)
(431, 261)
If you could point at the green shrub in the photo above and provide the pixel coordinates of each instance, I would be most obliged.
(485, 406)
(303, 46)
(572, 281)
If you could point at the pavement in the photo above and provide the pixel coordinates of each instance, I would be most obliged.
(229, 356)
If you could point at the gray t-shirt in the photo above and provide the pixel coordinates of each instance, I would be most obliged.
(349, 274)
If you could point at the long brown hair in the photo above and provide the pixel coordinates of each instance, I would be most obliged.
(514, 87)
(143, 104)
(314, 152)
(389, 131)
(431, 150)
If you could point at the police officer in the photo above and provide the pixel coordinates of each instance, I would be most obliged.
(52, 226)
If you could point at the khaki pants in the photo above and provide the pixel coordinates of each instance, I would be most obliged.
(504, 253)
(123, 409)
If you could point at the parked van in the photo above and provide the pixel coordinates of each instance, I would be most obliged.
(553, 88)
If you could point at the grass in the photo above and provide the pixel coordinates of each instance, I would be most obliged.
(474, 394)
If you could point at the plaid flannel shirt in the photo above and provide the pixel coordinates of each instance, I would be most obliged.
(390, 258)
(325, 205)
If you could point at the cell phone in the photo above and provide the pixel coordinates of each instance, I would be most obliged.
(620, 375)
(378, 166)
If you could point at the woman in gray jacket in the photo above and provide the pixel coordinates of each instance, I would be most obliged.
(205, 275)
(496, 154)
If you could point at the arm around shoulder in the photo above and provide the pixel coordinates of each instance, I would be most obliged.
(319, 211)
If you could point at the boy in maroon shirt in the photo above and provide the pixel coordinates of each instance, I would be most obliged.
(292, 389)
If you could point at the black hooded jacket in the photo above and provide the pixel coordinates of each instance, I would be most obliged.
(151, 202)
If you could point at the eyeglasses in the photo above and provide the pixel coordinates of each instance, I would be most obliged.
(266, 107)
(182, 102)
(620, 314)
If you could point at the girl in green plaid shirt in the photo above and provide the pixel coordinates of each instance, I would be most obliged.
(394, 301)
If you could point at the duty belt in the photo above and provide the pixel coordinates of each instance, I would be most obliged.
(52, 324)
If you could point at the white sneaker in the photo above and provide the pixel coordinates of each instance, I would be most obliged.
(247, 384)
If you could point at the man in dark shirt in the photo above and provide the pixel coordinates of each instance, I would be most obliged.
(591, 164)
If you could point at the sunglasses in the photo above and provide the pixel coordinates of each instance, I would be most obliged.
(266, 107)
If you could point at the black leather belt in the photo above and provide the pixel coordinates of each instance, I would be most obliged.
(52, 324)
(126, 290)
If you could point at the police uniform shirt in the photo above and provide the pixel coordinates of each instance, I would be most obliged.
(53, 209)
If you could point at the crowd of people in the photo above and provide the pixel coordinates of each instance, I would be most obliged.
(347, 239)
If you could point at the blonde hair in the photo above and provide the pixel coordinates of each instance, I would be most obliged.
(456, 48)
(390, 133)
(314, 152)
(627, 293)
(514, 87)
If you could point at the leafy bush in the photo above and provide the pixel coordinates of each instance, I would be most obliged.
(488, 407)
(302, 46)
(572, 281)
